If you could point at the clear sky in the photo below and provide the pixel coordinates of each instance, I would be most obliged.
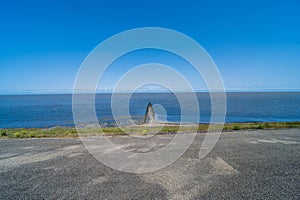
(255, 44)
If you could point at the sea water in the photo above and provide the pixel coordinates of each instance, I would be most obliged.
(19, 111)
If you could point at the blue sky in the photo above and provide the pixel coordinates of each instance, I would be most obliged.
(255, 44)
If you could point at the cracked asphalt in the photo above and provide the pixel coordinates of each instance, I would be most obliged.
(260, 164)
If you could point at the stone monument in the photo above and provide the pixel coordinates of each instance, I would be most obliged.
(149, 115)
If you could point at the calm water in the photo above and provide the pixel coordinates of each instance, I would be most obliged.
(56, 110)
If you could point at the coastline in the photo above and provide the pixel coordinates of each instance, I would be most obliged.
(141, 130)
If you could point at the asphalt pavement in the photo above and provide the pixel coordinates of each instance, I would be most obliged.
(260, 164)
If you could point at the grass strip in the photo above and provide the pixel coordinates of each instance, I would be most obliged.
(138, 130)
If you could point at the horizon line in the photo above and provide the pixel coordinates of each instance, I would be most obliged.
(41, 92)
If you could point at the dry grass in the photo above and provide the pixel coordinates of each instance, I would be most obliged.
(140, 130)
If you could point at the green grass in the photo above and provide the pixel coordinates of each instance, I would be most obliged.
(261, 125)
(139, 130)
(236, 127)
(3, 132)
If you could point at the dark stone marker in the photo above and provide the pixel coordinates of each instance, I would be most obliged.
(149, 116)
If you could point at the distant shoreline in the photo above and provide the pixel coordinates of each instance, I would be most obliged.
(142, 130)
